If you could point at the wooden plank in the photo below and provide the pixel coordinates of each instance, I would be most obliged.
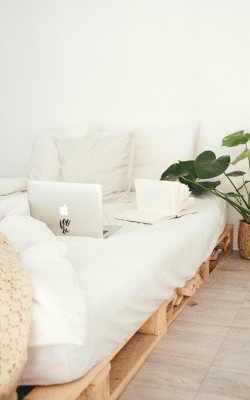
(178, 300)
(213, 265)
(188, 289)
(179, 308)
(198, 280)
(225, 240)
(125, 365)
(223, 247)
(99, 389)
(214, 255)
(157, 323)
(170, 307)
(204, 270)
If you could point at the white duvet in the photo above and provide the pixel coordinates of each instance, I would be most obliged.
(89, 294)
(55, 319)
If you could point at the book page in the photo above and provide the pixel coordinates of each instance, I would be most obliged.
(182, 197)
(156, 195)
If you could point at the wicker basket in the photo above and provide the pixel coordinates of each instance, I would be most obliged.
(244, 239)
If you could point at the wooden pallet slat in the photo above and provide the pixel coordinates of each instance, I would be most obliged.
(157, 323)
(204, 270)
(189, 288)
(170, 307)
(99, 389)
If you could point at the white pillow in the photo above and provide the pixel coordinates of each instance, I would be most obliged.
(110, 130)
(155, 149)
(103, 160)
(12, 185)
(44, 164)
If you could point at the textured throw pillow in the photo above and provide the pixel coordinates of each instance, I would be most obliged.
(110, 130)
(102, 160)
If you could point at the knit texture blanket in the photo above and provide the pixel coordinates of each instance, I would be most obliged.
(15, 318)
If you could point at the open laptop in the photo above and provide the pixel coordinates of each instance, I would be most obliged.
(73, 209)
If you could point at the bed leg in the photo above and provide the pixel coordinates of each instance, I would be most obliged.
(170, 307)
(189, 288)
(157, 323)
(225, 241)
(204, 270)
(198, 280)
(99, 389)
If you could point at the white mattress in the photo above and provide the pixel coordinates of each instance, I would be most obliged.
(125, 278)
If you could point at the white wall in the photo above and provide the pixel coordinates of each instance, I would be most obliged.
(225, 78)
(155, 62)
(224, 32)
(67, 61)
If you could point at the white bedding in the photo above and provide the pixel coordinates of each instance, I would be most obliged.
(121, 280)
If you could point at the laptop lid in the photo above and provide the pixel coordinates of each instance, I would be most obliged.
(73, 209)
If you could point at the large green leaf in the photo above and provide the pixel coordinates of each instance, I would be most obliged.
(236, 173)
(172, 173)
(241, 156)
(232, 194)
(198, 188)
(235, 139)
(210, 184)
(188, 169)
(177, 170)
(194, 188)
(208, 166)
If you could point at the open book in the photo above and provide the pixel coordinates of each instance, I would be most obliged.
(159, 199)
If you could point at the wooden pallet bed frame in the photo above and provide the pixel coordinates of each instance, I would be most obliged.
(108, 379)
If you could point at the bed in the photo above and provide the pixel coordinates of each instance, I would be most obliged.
(91, 296)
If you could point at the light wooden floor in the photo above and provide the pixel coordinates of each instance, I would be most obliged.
(205, 354)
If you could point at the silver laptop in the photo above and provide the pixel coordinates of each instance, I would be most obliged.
(73, 209)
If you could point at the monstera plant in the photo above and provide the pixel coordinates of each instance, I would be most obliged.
(197, 174)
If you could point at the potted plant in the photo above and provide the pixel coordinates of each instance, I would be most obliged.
(197, 174)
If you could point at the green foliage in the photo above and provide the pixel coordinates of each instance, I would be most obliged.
(235, 139)
(207, 166)
(242, 156)
(236, 173)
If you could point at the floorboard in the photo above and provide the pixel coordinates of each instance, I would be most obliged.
(206, 352)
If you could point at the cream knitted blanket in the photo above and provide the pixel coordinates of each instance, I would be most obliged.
(15, 318)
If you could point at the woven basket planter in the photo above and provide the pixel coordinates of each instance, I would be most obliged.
(244, 239)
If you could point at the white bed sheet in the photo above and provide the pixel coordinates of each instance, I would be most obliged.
(124, 279)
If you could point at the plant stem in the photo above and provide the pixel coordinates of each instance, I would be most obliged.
(240, 196)
(245, 212)
(237, 206)
(248, 159)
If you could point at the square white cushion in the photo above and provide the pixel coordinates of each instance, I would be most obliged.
(103, 160)
(100, 131)
(44, 164)
(155, 149)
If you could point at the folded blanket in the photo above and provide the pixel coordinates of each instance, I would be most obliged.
(15, 318)
(12, 185)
